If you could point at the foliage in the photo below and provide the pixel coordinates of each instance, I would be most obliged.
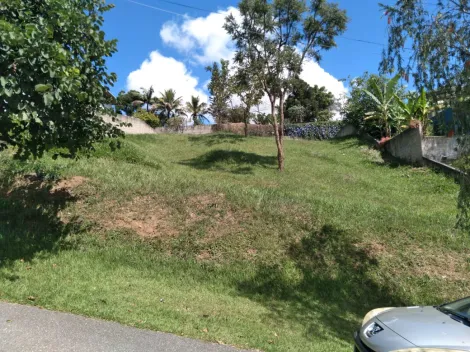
(250, 93)
(128, 102)
(168, 106)
(175, 123)
(416, 108)
(53, 82)
(197, 109)
(274, 38)
(147, 97)
(220, 90)
(315, 100)
(262, 119)
(236, 114)
(359, 103)
(318, 131)
(296, 114)
(385, 111)
(149, 117)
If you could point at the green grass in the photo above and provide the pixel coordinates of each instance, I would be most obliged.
(242, 254)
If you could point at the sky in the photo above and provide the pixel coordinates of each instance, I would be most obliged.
(168, 45)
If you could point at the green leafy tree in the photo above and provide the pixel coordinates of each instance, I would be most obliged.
(147, 97)
(220, 90)
(168, 106)
(296, 113)
(384, 110)
(416, 107)
(53, 75)
(149, 117)
(316, 101)
(128, 102)
(274, 38)
(196, 109)
(250, 93)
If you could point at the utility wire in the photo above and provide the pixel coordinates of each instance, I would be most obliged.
(209, 11)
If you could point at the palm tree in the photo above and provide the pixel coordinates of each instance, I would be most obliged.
(147, 95)
(169, 105)
(197, 110)
(385, 108)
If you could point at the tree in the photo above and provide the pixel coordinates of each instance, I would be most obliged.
(274, 38)
(128, 102)
(219, 87)
(250, 93)
(416, 108)
(169, 105)
(147, 97)
(53, 76)
(385, 105)
(316, 101)
(196, 109)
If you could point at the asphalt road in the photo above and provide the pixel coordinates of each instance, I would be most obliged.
(30, 329)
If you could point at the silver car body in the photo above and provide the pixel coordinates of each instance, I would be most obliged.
(419, 328)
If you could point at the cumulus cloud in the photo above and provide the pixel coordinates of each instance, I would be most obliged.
(314, 74)
(204, 38)
(162, 73)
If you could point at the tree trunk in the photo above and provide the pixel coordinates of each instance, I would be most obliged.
(246, 118)
(280, 151)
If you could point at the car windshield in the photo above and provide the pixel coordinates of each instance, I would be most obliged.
(460, 308)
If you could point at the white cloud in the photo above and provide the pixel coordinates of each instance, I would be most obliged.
(162, 73)
(313, 74)
(202, 37)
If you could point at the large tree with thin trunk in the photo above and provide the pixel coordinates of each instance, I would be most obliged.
(197, 109)
(273, 40)
(169, 105)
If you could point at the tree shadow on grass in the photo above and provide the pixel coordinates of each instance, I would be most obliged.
(29, 218)
(217, 138)
(233, 161)
(326, 285)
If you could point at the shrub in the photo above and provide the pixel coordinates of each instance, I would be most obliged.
(318, 131)
(175, 123)
(150, 118)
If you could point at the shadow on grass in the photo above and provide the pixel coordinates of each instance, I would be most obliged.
(326, 286)
(29, 218)
(233, 161)
(217, 138)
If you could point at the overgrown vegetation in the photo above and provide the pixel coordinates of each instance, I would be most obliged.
(201, 236)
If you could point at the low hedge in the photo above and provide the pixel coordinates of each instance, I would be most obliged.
(319, 131)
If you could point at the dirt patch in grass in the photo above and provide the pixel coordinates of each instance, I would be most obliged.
(147, 216)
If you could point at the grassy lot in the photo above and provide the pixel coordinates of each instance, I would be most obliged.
(201, 236)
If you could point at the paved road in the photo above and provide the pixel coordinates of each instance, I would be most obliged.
(30, 329)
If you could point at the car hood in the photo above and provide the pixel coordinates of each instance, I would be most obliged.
(427, 327)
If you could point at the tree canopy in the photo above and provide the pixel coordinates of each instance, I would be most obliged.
(315, 101)
(53, 75)
(274, 38)
(219, 88)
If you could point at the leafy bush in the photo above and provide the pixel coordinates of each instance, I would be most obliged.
(175, 123)
(150, 118)
(318, 131)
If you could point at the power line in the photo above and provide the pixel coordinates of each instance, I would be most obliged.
(209, 11)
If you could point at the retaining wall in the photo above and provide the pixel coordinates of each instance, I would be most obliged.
(138, 126)
(407, 146)
(441, 148)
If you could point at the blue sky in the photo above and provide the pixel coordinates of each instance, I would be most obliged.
(178, 48)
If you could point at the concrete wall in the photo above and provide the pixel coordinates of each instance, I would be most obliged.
(346, 131)
(138, 126)
(407, 146)
(205, 129)
(441, 148)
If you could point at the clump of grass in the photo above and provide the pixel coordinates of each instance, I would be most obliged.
(201, 236)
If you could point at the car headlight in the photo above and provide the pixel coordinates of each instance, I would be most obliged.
(372, 330)
(373, 313)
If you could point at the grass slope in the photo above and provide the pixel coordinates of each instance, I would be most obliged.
(202, 237)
